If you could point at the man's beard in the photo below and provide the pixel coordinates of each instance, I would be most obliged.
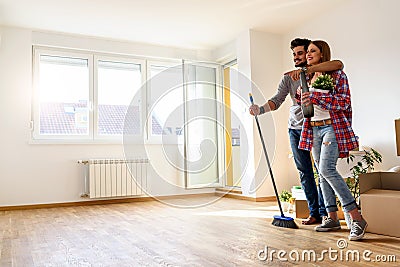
(302, 64)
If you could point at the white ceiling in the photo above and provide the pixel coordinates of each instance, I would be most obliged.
(196, 24)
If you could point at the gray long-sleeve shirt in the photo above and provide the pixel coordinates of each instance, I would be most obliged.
(288, 87)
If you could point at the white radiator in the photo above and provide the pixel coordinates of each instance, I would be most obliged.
(115, 177)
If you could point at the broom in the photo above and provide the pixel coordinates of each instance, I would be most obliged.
(282, 220)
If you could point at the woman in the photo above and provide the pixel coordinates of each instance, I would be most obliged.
(330, 136)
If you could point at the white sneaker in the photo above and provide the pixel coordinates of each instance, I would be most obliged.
(328, 224)
(357, 230)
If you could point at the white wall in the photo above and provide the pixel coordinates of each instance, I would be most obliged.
(365, 36)
(259, 59)
(225, 53)
(115, 46)
(49, 173)
(266, 65)
(246, 132)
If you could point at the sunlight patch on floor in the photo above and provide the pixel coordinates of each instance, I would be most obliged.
(258, 212)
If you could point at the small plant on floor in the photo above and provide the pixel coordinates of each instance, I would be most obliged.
(366, 164)
(285, 196)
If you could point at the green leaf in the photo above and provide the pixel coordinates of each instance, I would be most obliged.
(324, 82)
(364, 165)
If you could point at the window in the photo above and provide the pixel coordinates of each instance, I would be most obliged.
(165, 101)
(96, 97)
(84, 96)
(203, 131)
(118, 87)
(63, 95)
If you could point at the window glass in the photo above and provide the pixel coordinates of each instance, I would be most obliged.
(118, 84)
(91, 96)
(63, 95)
(166, 100)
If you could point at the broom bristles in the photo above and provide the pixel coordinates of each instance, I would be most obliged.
(285, 222)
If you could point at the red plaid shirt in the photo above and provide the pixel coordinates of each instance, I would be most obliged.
(338, 103)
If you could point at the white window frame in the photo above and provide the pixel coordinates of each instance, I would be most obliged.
(127, 59)
(37, 52)
(157, 139)
(220, 117)
(93, 57)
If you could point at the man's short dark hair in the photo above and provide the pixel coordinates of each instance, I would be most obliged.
(300, 42)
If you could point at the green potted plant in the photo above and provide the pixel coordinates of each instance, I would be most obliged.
(364, 165)
(285, 197)
(324, 82)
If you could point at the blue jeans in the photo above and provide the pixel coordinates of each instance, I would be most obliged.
(303, 162)
(326, 153)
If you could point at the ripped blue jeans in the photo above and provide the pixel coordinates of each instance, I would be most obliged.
(302, 159)
(326, 153)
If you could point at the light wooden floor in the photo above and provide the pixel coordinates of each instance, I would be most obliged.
(229, 232)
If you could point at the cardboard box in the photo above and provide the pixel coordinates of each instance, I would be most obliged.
(397, 126)
(380, 199)
(300, 203)
(302, 210)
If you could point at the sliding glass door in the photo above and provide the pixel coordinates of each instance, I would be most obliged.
(203, 132)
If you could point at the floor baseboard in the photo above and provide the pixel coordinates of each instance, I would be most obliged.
(98, 202)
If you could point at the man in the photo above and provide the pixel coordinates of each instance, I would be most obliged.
(289, 84)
